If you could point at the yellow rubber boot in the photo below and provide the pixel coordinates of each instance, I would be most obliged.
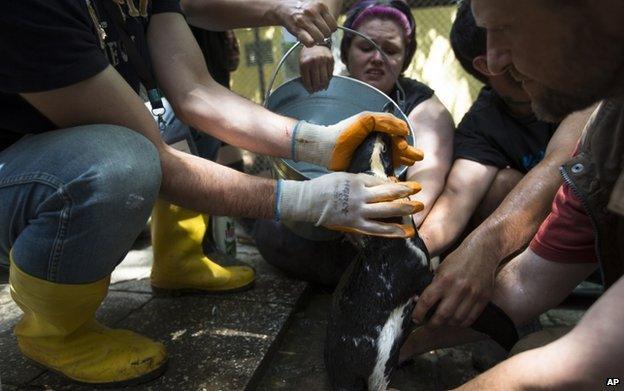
(179, 262)
(59, 331)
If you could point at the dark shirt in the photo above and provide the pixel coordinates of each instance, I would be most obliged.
(491, 135)
(415, 93)
(50, 44)
(213, 45)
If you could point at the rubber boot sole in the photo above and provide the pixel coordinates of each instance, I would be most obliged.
(156, 373)
(193, 291)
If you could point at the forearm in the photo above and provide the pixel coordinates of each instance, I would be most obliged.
(517, 219)
(529, 285)
(202, 103)
(467, 183)
(187, 180)
(519, 216)
(526, 371)
(446, 221)
(208, 187)
(215, 110)
(433, 179)
(218, 15)
(434, 136)
(581, 360)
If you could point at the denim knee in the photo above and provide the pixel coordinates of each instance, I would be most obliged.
(128, 179)
(81, 196)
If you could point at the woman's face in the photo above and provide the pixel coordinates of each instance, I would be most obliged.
(365, 63)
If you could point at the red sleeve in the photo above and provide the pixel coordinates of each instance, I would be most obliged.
(567, 234)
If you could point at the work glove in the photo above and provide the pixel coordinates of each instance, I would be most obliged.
(349, 202)
(333, 146)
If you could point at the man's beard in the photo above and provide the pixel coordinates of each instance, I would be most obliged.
(553, 106)
(603, 80)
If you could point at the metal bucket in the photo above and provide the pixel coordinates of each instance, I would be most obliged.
(343, 98)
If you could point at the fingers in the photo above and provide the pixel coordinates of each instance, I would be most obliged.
(391, 191)
(328, 17)
(307, 32)
(430, 297)
(398, 208)
(402, 161)
(310, 27)
(403, 153)
(317, 66)
(319, 21)
(444, 314)
(463, 310)
(315, 77)
(474, 313)
(327, 74)
(306, 79)
(372, 228)
(388, 123)
(304, 37)
(400, 145)
(310, 22)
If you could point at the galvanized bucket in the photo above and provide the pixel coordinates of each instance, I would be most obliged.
(343, 98)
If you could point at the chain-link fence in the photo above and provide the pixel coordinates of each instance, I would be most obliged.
(433, 64)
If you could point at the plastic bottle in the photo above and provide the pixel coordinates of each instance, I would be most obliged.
(224, 234)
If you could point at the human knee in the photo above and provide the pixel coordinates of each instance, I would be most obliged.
(126, 175)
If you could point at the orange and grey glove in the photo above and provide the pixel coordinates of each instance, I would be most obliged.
(349, 202)
(333, 146)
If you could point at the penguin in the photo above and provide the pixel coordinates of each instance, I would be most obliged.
(371, 309)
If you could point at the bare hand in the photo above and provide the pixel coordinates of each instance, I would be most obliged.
(317, 66)
(308, 20)
(462, 286)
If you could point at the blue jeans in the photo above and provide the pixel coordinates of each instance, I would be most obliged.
(74, 200)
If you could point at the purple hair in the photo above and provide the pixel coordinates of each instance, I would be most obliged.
(384, 12)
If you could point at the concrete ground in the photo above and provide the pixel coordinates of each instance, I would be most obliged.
(268, 338)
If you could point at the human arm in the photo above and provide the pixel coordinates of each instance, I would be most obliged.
(581, 360)
(465, 282)
(434, 128)
(452, 209)
(205, 105)
(526, 287)
(205, 186)
(187, 180)
(309, 20)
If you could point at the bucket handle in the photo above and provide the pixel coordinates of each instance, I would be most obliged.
(400, 91)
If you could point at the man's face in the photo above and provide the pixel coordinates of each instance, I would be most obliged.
(567, 56)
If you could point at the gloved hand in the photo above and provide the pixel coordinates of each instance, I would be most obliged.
(349, 202)
(333, 146)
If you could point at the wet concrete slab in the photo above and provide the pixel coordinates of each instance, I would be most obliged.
(214, 342)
